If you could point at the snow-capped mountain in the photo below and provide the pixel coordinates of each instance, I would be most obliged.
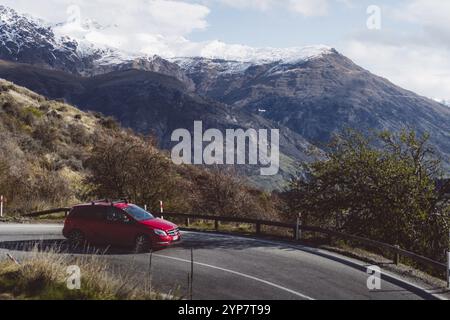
(25, 39)
(240, 53)
(28, 40)
(69, 46)
(318, 95)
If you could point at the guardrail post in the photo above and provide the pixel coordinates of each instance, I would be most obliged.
(298, 231)
(1, 206)
(396, 255)
(187, 222)
(258, 228)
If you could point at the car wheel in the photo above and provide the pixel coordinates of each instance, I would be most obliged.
(77, 239)
(142, 244)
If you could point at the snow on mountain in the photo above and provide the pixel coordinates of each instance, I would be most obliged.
(88, 48)
(231, 59)
(69, 47)
(219, 65)
(443, 101)
(233, 52)
(18, 32)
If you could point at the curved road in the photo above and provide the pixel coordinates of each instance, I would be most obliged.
(231, 267)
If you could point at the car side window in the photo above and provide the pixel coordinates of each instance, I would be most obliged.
(95, 213)
(88, 213)
(115, 215)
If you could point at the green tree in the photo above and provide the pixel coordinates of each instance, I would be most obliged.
(382, 187)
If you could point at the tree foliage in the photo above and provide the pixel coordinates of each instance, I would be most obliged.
(382, 187)
(124, 165)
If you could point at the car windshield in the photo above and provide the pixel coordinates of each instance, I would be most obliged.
(138, 213)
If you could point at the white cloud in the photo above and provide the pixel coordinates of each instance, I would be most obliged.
(132, 25)
(262, 5)
(176, 17)
(307, 8)
(431, 15)
(432, 12)
(423, 70)
(415, 56)
(153, 26)
(310, 8)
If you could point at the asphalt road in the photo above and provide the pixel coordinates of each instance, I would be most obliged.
(230, 267)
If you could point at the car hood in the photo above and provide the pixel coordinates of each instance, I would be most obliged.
(159, 224)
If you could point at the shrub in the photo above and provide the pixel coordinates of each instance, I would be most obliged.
(386, 193)
(44, 276)
(78, 134)
(109, 123)
(47, 134)
(126, 166)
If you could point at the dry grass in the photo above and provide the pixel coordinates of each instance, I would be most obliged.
(43, 276)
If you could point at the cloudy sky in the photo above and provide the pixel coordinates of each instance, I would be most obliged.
(409, 44)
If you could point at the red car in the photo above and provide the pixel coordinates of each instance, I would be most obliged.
(118, 223)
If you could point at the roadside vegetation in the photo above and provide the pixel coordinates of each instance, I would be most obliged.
(44, 275)
(383, 187)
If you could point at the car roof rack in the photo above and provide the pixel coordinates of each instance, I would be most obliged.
(124, 200)
(100, 201)
(112, 202)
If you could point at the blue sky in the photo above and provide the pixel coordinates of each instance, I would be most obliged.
(279, 27)
(412, 48)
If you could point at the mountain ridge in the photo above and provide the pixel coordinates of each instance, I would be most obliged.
(154, 103)
(308, 96)
(321, 96)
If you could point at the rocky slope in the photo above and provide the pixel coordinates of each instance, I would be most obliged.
(320, 96)
(154, 103)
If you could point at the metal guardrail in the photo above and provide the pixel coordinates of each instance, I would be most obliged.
(46, 212)
(397, 251)
(296, 228)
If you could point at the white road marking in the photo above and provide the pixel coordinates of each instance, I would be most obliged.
(14, 227)
(331, 254)
(241, 275)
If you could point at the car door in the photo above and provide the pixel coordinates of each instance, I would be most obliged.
(96, 223)
(120, 228)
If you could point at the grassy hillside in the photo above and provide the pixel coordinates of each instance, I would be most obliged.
(43, 145)
(56, 155)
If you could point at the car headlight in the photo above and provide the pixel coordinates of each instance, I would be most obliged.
(160, 232)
